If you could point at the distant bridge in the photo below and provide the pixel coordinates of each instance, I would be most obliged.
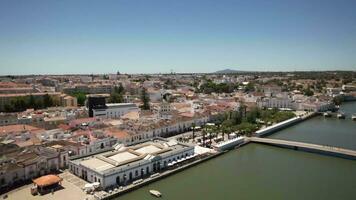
(315, 148)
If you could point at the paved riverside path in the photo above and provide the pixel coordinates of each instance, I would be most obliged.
(316, 148)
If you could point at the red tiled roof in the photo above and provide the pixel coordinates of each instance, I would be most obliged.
(120, 134)
(17, 128)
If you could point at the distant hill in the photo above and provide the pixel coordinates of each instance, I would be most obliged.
(228, 71)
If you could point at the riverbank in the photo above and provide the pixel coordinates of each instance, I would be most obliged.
(258, 171)
(107, 195)
(284, 124)
(268, 130)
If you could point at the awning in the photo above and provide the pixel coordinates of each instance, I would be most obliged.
(47, 180)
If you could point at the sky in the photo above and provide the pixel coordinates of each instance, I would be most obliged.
(160, 36)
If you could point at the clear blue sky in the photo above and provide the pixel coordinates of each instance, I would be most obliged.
(85, 36)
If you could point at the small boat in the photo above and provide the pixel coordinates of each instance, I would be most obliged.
(327, 114)
(155, 193)
(340, 115)
(353, 117)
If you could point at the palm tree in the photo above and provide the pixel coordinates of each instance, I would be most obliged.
(210, 130)
(223, 131)
(193, 127)
(229, 130)
(204, 132)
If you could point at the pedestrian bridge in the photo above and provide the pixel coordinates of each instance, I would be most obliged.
(308, 147)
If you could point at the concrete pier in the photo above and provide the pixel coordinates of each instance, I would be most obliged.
(308, 147)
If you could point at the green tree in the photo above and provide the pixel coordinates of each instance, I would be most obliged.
(193, 129)
(145, 99)
(250, 87)
(81, 97)
(47, 101)
(32, 102)
(308, 92)
(337, 100)
(117, 95)
(204, 134)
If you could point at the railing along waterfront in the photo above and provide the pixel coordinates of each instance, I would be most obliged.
(315, 148)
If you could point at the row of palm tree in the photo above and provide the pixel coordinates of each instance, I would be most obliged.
(214, 131)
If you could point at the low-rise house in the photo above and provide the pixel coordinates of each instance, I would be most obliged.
(24, 164)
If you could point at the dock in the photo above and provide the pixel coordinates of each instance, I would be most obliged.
(308, 147)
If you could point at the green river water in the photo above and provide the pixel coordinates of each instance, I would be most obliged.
(258, 171)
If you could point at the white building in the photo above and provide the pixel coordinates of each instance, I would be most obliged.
(120, 167)
(275, 102)
(115, 110)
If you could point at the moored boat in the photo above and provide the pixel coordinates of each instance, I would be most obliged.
(353, 117)
(340, 115)
(155, 193)
(327, 114)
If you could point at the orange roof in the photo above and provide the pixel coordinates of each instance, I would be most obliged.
(47, 180)
(187, 114)
(64, 127)
(17, 128)
(120, 134)
(81, 120)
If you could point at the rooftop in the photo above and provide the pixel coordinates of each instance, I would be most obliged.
(128, 156)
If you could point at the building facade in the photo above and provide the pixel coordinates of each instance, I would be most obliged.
(123, 166)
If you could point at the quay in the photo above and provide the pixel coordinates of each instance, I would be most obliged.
(115, 193)
(308, 147)
(284, 124)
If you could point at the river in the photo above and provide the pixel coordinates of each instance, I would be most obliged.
(327, 131)
(258, 171)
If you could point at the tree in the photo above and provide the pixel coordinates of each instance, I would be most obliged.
(253, 115)
(204, 133)
(250, 87)
(308, 92)
(47, 101)
(81, 97)
(116, 98)
(18, 104)
(117, 95)
(193, 128)
(32, 102)
(337, 100)
(119, 89)
(145, 99)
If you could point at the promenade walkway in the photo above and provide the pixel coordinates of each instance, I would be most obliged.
(316, 148)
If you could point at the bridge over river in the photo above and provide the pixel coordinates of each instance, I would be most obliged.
(308, 147)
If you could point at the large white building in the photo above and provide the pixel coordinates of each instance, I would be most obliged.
(122, 166)
(115, 110)
(275, 102)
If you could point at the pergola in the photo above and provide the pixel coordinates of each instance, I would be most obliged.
(47, 180)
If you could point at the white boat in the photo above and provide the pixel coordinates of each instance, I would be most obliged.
(341, 116)
(353, 117)
(155, 193)
(327, 114)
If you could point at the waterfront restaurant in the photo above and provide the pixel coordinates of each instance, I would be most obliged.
(127, 164)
